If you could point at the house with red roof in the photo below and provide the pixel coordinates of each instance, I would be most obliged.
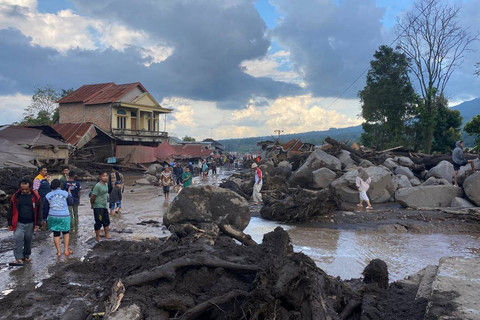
(126, 111)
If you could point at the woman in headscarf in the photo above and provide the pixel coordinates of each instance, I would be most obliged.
(363, 184)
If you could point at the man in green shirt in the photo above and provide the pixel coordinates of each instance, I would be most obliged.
(99, 203)
(187, 177)
(64, 177)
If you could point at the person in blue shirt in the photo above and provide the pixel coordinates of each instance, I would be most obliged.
(59, 216)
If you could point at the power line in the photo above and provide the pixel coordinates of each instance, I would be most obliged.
(366, 69)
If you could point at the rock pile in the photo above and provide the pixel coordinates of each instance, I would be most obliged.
(324, 180)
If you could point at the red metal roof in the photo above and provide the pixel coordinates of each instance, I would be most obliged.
(77, 134)
(100, 93)
(191, 151)
(85, 92)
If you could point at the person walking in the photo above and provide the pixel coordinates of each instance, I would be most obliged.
(363, 182)
(42, 186)
(65, 174)
(166, 180)
(187, 177)
(257, 187)
(24, 218)
(115, 199)
(115, 176)
(59, 216)
(459, 160)
(99, 204)
(72, 186)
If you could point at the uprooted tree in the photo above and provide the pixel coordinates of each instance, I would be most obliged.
(432, 37)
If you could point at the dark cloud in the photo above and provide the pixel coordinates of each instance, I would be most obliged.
(210, 40)
(331, 42)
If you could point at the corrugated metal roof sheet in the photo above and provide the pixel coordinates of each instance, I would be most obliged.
(113, 93)
(29, 136)
(85, 92)
(76, 134)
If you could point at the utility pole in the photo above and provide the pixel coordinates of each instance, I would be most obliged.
(278, 132)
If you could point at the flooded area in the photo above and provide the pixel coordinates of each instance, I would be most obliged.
(342, 253)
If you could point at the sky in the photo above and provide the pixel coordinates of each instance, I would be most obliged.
(228, 68)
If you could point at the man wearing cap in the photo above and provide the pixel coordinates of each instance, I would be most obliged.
(257, 196)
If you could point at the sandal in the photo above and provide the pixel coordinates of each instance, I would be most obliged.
(28, 259)
(70, 251)
(369, 208)
(360, 205)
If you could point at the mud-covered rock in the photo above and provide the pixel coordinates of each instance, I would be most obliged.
(443, 170)
(458, 202)
(436, 182)
(303, 177)
(365, 163)
(390, 164)
(382, 186)
(404, 171)
(154, 169)
(404, 161)
(143, 182)
(428, 196)
(322, 178)
(232, 185)
(212, 204)
(284, 168)
(472, 187)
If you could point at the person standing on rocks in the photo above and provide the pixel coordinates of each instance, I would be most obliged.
(73, 187)
(42, 186)
(99, 204)
(363, 182)
(166, 180)
(459, 160)
(24, 217)
(59, 216)
(187, 177)
(257, 187)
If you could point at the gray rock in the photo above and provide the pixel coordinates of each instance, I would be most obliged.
(284, 168)
(461, 203)
(428, 196)
(472, 187)
(404, 171)
(381, 188)
(443, 170)
(142, 182)
(365, 164)
(402, 181)
(436, 182)
(322, 178)
(131, 312)
(209, 204)
(154, 169)
(345, 159)
(267, 168)
(152, 179)
(303, 177)
(415, 182)
(405, 161)
(390, 164)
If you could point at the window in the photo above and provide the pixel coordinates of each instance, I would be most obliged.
(134, 114)
(121, 112)
(121, 122)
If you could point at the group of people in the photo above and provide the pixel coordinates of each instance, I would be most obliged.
(54, 205)
(175, 175)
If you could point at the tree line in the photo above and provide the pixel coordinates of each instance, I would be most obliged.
(431, 45)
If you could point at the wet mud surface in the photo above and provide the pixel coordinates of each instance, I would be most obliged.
(341, 243)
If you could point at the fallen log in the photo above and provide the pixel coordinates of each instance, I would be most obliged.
(244, 238)
(199, 309)
(354, 154)
(168, 270)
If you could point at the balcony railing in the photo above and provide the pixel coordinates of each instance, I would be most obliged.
(139, 133)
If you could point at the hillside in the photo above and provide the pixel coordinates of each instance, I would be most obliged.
(468, 110)
(315, 137)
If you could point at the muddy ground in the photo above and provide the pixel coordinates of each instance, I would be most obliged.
(80, 286)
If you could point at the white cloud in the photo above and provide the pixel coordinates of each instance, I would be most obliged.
(12, 106)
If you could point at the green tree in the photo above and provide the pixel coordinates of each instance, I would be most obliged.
(388, 100)
(188, 139)
(43, 108)
(447, 126)
(432, 37)
(473, 128)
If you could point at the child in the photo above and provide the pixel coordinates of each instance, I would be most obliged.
(166, 180)
(187, 177)
(363, 184)
(116, 198)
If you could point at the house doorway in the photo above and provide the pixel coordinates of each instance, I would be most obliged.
(133, 123)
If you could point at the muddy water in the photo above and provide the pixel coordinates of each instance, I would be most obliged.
(341, 253)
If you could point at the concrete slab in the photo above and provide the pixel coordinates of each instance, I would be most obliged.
(456, 290)
(425, 286)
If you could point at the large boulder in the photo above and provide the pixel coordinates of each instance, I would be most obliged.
(404, 171)
(154, 169)
(345, 159)
(405, 161)
(402, 181)
(428, 196)
(143, 182)
(461, 203)
(436, 182)
(472, 187)
(322, 178)
(366, 163)
(267, 168)
(303, 177)
(381, 188)
(415, 182)
(390, 164)
(284, 168)
(443, 170)
(210, 204)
